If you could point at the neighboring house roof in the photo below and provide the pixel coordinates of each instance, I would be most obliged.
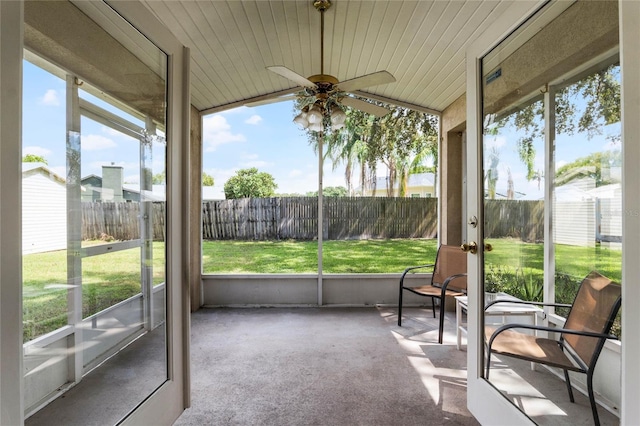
(92, 176)
(29, 169)
(157, 193)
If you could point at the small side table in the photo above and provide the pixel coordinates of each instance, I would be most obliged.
(500, 309)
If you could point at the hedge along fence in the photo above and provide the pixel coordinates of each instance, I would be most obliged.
(296, 218)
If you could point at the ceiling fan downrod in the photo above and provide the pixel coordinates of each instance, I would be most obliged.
(321, 6)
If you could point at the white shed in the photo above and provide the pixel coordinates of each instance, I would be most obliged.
(44, 209)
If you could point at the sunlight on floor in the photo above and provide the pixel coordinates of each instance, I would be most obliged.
(528, 398)
(443, 372)
(441, 368)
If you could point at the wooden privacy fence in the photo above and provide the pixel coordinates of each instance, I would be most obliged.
(521, 219)
(120, 221)
(296, 218)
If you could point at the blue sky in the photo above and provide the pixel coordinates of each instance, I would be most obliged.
(568, 148)
(266, 138)
(263, 137)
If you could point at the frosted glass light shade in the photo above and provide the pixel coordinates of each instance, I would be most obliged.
(314, 115)
(301, 119)
(338, 116)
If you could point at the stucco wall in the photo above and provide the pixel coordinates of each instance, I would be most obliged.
(452, 168)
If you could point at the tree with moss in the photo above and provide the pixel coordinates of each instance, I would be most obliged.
(405, 140)
(591, 167)
(600, 93)
(250, 183)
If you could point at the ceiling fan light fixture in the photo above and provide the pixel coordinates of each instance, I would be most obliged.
(314, 115)
(301, 119)
(338, 116)
(315, 127)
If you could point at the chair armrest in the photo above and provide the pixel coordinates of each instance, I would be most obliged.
(550, 329)
(413, 268)
(446, 282)
(525, 302)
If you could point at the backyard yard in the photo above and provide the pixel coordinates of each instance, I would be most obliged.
(513, 266)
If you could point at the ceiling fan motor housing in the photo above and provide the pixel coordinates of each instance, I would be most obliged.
(324, 83)
(322, 5)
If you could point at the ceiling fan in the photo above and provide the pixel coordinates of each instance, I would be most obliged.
(322, 93)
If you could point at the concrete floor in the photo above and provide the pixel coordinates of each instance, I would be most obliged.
(109, 392)
(328, 366)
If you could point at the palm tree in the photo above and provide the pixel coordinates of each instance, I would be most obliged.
(401, 140)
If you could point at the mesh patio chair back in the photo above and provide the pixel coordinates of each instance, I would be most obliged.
(591, 311)
(450, 261)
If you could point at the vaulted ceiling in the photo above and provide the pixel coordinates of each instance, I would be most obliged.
(422, 43)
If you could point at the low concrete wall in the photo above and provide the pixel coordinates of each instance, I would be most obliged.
(302, 290)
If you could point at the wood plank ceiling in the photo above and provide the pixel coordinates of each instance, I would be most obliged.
(422, 43)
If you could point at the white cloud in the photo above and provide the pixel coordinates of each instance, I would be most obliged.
(220, 176)
(495, 142)
(613, 145)
(255, 163)
(36, 150)
(116, 134)
(254, 119)
(560, 164)
(216, 131)
(50, 98)
(97, 142)
(305, 179)
(238, 110)
(59, 170)
(248, 156)
(132, 178)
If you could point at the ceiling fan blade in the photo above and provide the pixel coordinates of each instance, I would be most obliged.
(291, 75)
(376, 110)
(271, 101)
(374, 79)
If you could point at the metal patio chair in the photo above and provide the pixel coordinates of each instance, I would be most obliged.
(448, 278)
(580, 341)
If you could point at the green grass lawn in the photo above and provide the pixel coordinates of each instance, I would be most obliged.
(106, 280)
(292, 257)
(113, 277)
(570, 260)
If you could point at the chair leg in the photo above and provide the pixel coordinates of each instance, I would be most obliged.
(400, 308)
(441, 328)
(592, 399)
(567, 380)
(433, 306)
(486, 374)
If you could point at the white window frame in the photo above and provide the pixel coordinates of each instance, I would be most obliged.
(484, 402)
(169, 400)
